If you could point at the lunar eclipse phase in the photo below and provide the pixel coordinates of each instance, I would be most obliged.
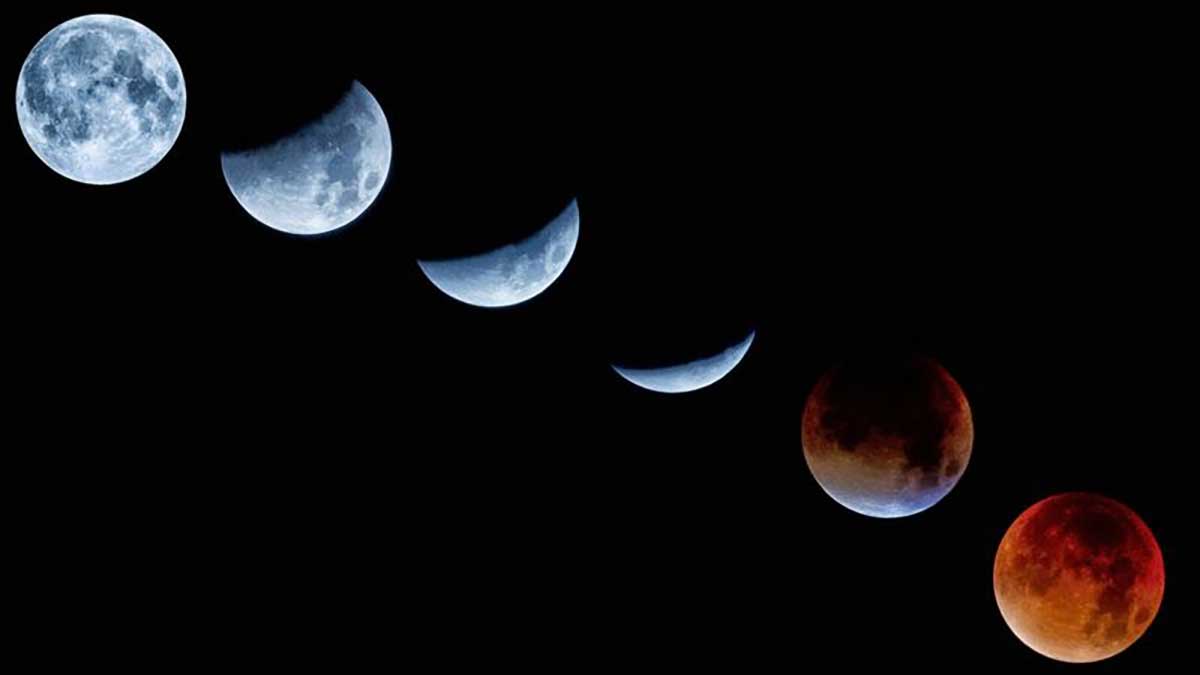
(512, 274)
(686, 377)
(322, 177)
(1079, 577)
(887, 437)
(191, 279)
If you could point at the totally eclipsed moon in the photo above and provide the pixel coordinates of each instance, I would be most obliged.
(101, 99)
(1078, 577)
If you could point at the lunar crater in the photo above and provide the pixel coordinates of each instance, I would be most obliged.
(320, 178)
(1078, 577)
(100, 99)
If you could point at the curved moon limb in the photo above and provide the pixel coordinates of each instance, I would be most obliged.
(1079, 577)
(321, 178)
(512, 274)
(101, 99)
(887, 438)
(686, 377)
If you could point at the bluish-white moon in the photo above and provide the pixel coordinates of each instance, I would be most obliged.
(101, 99)
(512, 274)
(320, 178)
(689, 376)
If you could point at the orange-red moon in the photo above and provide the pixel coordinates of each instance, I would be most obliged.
(1078, 577)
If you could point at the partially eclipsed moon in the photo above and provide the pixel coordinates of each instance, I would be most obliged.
(512, 274)
(889, 437)
(1078, 577)
(689, 376)
(321, 178)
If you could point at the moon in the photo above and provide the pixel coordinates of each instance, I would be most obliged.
(887, 437)
(101, 99)
(1078, 577)
(690, 376)
(511, 274)
(321, 178)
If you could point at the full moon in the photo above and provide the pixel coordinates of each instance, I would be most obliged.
(1078, 577)
(101, 99)
(887, 438)
(321, 178)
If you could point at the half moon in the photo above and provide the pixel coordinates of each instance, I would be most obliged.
(512, 274)
(321, 178)
(689, 376)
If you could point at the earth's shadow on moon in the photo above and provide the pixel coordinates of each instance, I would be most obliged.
(257, 94)
(313, 183)
(665, 292)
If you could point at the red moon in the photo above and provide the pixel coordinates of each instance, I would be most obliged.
(1078, 577)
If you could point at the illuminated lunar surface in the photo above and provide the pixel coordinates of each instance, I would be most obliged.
(512, 274)
(887, 438)
(1078, 577)
(690, 376)
(320, 178)
(101, 99)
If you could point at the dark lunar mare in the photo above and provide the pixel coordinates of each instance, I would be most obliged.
(907, 398)
(67, 117)
(1105, 545)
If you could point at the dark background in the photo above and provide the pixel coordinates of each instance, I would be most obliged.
(224, 436)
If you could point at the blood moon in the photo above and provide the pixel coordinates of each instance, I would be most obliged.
(887, 436)
(1078, 577)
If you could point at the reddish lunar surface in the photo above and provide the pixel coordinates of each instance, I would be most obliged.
(1079, 577)
(887, 437)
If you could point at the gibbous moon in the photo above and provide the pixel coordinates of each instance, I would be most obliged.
(101, 99)
(685, 377)
(889, 437)
(321, 178)
(512, 274)
(1078, 577)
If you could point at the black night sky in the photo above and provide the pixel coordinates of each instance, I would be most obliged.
(234, 445)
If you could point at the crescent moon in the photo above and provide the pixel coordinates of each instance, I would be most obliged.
(321, 178)
(511, 274)
(689, 376)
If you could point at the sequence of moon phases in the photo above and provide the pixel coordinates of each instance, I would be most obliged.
(690, 376)
(1078, 577)
(322, 177)
(887, 437)
(101, 99)
(512, 274)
